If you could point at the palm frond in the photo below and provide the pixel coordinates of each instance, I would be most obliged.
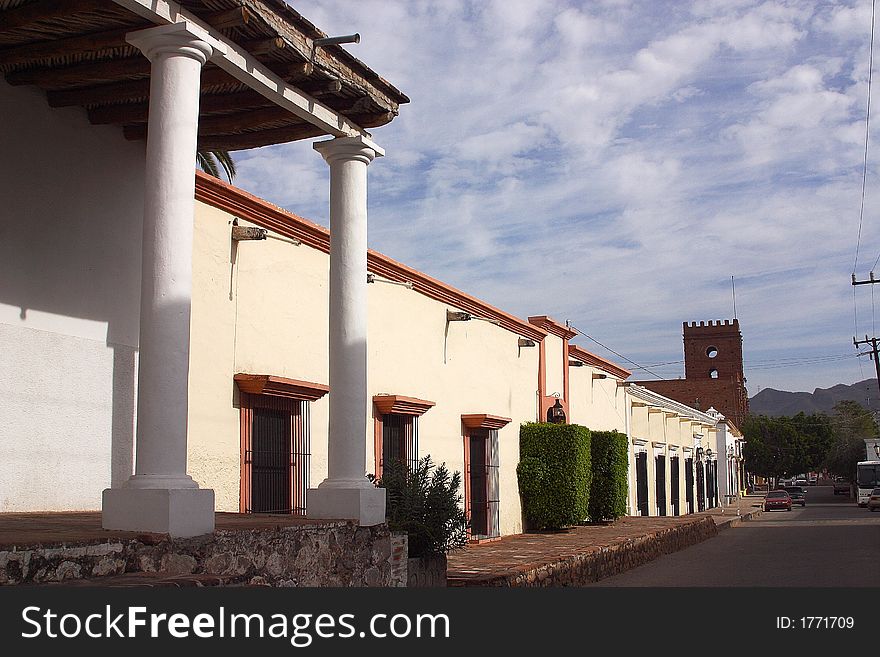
(208, 161)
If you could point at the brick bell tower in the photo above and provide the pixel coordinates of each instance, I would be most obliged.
(713, 350)
(713, 366)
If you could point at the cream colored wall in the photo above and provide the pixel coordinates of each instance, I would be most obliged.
(473, 367)
(262, 308)
(553, 349)
(595, 403)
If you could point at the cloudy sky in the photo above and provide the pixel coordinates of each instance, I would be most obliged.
(614, 163)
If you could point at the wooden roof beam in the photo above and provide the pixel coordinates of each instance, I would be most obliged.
(262, 138)
(53, 78)
(235, 17)
(32, 52)
(130, 90)
(247, 69)
(138, 112)
(26, 15)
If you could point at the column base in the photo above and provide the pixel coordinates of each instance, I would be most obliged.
(364, 505)
(180, 512)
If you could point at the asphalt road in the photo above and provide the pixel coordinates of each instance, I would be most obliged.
(830, 542)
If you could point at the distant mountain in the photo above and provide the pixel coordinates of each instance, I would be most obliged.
(821, 400)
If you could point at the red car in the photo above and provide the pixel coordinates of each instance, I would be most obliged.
(777, 499)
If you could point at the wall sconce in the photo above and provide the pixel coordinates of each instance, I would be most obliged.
(575, 363)
(877, 449)
(525, 342)
(247, 233)
(596, 375)
(556, 414)
(372, 278)
(455, 316)
(709, 453)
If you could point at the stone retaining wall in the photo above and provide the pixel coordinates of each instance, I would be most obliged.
(599, 563)
(330, 554)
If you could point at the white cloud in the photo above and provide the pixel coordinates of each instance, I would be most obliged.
(631, 155)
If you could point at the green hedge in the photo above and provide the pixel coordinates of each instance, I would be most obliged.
(608, 454)
(554, 474)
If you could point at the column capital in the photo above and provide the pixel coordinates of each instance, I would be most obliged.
(182, 38)
(349, 148)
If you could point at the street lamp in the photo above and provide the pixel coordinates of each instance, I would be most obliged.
(556, 414)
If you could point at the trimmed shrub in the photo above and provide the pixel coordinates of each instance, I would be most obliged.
(609, 461)
(424, 501)
(554, 474)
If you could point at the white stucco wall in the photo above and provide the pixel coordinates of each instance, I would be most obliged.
(70, 245)
(262, 308)
(596, 403)
(554, 365)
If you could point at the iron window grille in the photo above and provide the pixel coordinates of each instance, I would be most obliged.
(482, 472)
(276, 455)
(400, 441)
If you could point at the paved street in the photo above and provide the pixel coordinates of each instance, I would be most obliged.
(830, 542)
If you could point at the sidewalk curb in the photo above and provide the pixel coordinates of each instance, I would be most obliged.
(740, 518)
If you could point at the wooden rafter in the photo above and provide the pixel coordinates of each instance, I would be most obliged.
(211, 104)
(26, 15)
(53, 78)
(261, 138)
(128, 91)
(32, 52)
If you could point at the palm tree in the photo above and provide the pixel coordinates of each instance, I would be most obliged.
(208, 161)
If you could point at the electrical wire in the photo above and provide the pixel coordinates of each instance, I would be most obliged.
(867, 134)
(589, 337)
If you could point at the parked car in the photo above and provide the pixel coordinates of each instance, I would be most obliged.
(874, 500)
(798, 494)
(841, 486)
(801, 482)
(814, 480)
(777, 499)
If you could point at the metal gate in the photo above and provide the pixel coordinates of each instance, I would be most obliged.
(660, 472)
(483, 487)
(689, 484)
(642, 483)
(275, 455)
(701, 490)
(673, 485)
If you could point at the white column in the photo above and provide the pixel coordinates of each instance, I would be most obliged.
(161, 496)
(346, 492)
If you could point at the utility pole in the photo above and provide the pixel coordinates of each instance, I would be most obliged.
(873, 341)
(873, 352)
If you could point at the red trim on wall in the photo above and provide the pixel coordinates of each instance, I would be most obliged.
(484, 421)
(221, 195)
(584, 356)
(552, 326)
(403, 405)
(278, 386)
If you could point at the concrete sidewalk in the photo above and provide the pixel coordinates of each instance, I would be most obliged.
(584, 554)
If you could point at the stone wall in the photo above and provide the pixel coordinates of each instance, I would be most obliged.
(327, 554)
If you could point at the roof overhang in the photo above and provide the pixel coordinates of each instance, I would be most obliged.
(271, 85)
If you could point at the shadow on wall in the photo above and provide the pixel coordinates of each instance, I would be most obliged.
(70, 260)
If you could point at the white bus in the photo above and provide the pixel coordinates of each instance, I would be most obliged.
(867, 479)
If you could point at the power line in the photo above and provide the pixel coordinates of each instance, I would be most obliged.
(589, 337)
(867, 134)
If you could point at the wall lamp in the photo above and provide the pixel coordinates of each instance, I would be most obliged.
(247, 233)
(525, 342)
(456, 316)
(575, 363)
(372, 278)
(596, 375)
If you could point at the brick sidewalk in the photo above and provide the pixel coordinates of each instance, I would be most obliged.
(584, 554)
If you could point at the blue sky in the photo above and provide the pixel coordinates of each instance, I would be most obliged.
(614, 163)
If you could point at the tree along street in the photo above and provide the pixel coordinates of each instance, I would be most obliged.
(830, 542)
